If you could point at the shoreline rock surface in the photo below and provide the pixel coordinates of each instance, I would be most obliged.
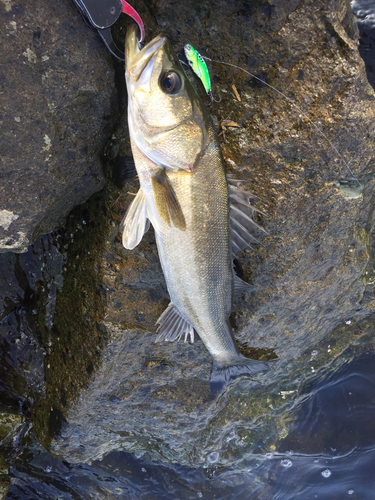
(314, 272)
(58, 105)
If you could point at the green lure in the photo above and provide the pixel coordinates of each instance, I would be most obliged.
(199, 66)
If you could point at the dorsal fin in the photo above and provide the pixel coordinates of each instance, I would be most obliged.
(242, 227)
(240, 287)
(241, 212)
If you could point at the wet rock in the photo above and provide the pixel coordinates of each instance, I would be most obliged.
(9, 426)
(57, 112)
(22, 362)
(50, 340)
(11, 292)
(315, 270)
(4, 479)
(155, 400)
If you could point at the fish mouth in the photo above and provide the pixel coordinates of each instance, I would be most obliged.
(138, 59)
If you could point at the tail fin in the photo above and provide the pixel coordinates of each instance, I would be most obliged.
(221, 376)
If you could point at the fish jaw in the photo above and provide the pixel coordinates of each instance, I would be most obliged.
(138, 59)
(169, 129)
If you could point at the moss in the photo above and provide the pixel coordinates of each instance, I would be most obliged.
(4, 479)
(74, 341)
(8, 423)
(256, 353)
(191, 394)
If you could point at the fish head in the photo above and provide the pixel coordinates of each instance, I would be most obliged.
(167, 121)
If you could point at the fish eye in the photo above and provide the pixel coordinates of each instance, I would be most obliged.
(170, 83)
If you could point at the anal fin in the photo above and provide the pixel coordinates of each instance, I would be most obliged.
(166, 200)
(172, 326)
(135, 223)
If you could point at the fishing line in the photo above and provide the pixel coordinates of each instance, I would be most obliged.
(297, 107)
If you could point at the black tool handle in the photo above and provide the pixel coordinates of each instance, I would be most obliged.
(100, 14)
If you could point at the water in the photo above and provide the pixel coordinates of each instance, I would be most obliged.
(328, 454)
(365, 13)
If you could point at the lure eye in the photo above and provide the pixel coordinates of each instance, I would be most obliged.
(171, 83)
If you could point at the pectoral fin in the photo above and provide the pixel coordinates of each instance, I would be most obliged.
(166, 200)
(135, 223)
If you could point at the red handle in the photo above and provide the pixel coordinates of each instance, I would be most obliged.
(128, 9)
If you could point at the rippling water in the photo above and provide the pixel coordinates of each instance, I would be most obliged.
(364, 10)
(328, 454)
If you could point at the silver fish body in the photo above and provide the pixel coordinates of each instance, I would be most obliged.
(184, 193)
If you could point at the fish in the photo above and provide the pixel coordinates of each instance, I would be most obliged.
(200, 216)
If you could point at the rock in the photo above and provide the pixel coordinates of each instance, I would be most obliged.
(314, 272)
(108, 386)
(4, 479)
(58, 110)
(155, 401)
(11, 292)
(10, 425)
(22, 362)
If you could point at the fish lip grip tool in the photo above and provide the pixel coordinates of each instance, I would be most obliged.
(102, 14)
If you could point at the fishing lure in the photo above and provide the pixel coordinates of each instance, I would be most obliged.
(199, 66)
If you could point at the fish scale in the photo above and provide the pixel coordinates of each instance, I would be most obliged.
(185, 194)
(205, 254)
